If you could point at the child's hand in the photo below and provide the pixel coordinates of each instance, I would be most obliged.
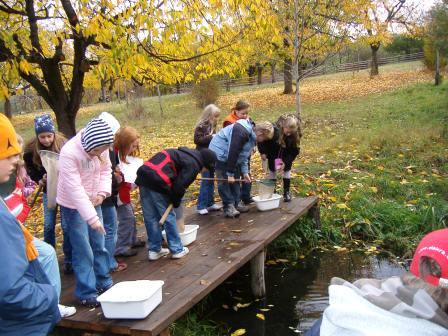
(98, 200)
(230, 179)
(43, 181)
(247, 178)
(118, 177)
(97, 226)
(264, 157)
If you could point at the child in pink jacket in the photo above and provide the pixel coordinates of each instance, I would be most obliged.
(85, 179)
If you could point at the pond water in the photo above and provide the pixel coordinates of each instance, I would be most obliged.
(296, 295)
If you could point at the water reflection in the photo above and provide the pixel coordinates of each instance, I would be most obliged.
(296, 296)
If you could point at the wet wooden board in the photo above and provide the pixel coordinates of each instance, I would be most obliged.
(222, 247)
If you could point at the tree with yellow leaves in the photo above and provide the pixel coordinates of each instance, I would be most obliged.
(380, 18)
(135, 39)
(310, 31)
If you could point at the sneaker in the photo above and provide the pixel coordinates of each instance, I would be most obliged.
(242, 208)
(202, 212)
(230, 211)
(157, 255)
(287, 196)
(215, 207)
(90, 302)
(102, 290)
(66, 311)
(181, 254)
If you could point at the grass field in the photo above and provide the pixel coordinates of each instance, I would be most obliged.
(374, 150)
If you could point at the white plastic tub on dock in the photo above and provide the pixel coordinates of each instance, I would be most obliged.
(131, 299)
(268, 203)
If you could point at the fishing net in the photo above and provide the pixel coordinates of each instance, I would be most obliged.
(50, 161)
(266, 188)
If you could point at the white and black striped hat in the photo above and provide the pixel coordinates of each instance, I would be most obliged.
(97, 133)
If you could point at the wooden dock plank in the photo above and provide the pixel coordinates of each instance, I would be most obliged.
(222, 247)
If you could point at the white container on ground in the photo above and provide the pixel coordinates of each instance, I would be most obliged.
(268, 203)
(188, 236)
(131, 299)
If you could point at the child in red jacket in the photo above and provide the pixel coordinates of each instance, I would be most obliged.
(126, 143)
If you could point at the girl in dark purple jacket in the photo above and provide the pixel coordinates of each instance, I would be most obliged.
(203, 134)
(282, 149)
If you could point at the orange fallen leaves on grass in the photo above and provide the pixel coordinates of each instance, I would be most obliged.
(329, 89)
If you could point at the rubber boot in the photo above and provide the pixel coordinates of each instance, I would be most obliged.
(286, 193)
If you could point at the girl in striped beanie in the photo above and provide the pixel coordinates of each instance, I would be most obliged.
(85, 179)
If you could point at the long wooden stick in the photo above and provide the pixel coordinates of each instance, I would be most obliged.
(217, 179)
(223, 180)
(35, 197)
(165, 214)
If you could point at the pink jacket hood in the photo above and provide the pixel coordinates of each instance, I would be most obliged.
(82, 178)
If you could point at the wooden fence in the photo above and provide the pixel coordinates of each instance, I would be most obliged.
(233, 83)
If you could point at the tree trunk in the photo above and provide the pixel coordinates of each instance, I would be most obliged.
(177, 87)
(111, 89)
(251, 73)
(296, 59)
(8, 108)
(374, 66)
(259, 73)
(160, 100)
(437, 78)
(273, 72)
(103, 91)
(298, 100)
(66, 122)
(287, 74)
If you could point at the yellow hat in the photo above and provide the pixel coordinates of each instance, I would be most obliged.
(8, 139)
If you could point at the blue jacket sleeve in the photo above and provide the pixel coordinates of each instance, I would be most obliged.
(23, 291)
(239, 138)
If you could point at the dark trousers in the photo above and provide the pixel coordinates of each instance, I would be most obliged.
(229, 192)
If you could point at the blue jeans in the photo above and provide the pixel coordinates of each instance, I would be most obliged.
(206, 191)
(90, 257)
(315, 329)
(49, 262)
(110, 226)
(154, 205)
(49, 226)
(229, 192)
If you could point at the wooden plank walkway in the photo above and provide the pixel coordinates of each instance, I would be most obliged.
(222, 247)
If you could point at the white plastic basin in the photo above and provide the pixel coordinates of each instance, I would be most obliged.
(268, 203)
(131, 299)
(188, 236)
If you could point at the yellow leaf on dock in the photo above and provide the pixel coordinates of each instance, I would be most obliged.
(239, 332)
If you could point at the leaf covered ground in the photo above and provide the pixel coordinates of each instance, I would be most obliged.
(374, 150)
